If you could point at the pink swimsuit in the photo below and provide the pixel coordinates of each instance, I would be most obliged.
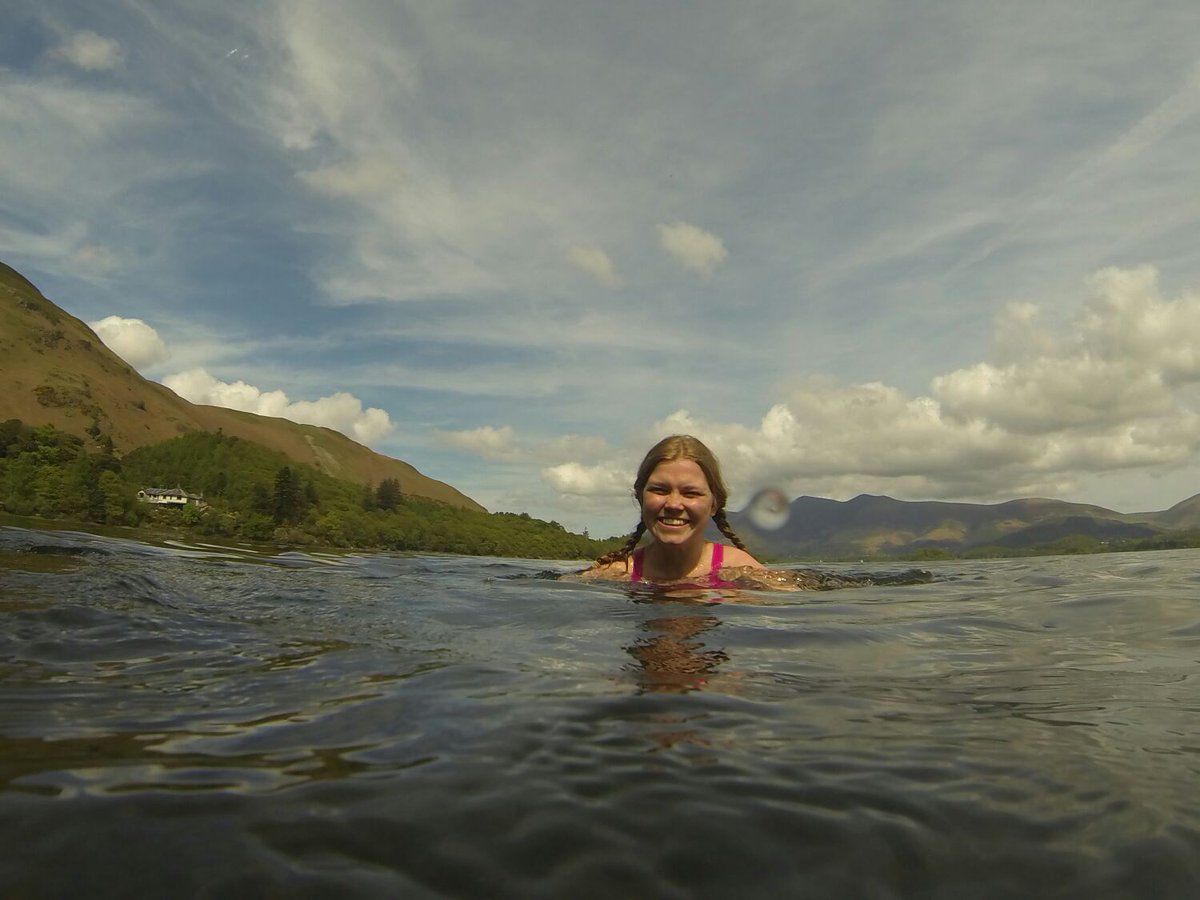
(714, 571)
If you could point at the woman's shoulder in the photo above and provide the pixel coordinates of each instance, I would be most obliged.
(735, 558)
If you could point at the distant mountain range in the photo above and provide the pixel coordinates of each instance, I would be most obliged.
(880, 526)
(56, 371)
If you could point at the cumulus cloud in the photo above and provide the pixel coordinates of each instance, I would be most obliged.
(694, 248)
(340, 411)
(131, 339)
(1115, 390)
(594, 262)
(1126, 351)
(90, 51)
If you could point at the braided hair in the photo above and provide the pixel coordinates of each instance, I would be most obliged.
(669, 449)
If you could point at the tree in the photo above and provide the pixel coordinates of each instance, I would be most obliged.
(260, 499)
(114, 498)
(286, 496)
(387, 495)
(11, 432)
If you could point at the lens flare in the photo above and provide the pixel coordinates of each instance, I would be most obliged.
(769, 510)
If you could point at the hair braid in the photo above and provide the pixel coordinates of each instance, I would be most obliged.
(727, 530)
(623, 552)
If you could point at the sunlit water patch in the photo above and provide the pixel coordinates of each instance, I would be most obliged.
(198, 720)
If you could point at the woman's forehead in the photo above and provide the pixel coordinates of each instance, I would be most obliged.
(679, 470)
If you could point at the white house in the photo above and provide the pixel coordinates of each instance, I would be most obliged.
(175, 496)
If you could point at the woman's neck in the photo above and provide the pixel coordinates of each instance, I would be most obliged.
(672, 562)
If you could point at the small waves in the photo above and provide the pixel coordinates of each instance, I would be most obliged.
(253, 722)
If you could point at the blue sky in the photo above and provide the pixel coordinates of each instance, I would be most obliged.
(935, 250)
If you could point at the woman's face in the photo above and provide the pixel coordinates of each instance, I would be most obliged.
(677, 502)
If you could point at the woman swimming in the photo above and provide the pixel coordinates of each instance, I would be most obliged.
(680, 490)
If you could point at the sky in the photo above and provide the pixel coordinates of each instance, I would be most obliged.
(932, 249)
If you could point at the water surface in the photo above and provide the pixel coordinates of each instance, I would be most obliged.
(202, 721)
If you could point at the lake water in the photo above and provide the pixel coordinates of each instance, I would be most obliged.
(197, 721)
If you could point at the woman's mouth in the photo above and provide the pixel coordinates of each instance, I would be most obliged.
(672, 522)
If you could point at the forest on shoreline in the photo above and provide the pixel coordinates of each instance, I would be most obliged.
(253, 493)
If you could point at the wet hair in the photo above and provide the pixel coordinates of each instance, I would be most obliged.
(669, 449)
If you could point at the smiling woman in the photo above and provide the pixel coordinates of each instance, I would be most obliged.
(680, 490)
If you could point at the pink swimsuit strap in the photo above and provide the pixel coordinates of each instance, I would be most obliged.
(714, 570)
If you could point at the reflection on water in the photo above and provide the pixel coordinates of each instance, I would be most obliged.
(197, 721)
(672, 657)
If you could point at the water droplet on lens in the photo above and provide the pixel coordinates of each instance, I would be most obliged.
(769, 510)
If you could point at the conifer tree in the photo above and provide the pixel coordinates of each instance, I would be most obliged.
(287, 495)
(387, 495)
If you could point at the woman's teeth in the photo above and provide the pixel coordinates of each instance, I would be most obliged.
(666, 520)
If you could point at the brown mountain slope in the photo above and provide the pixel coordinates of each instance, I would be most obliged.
(54, 370)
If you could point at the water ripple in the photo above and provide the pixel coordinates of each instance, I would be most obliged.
(250, 722)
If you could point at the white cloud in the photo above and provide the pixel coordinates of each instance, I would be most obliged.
(503, 443)
(594, 262)
(362, 180)
(131, 339)
(340, 411)
(91, 51)
(1120, 363)
(588, 481)
(694, 248)
(487, 441)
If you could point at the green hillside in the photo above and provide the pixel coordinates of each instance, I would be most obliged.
(252, 492)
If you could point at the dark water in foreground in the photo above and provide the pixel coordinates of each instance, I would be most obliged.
(189, 721)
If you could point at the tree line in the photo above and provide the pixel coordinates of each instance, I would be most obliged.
(254, 493)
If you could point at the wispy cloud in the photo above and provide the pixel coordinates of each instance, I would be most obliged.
(487, 441)
(90, 51)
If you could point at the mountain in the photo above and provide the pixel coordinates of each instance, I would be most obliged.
(1185, 514)
(56, 371)
(872, 525)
